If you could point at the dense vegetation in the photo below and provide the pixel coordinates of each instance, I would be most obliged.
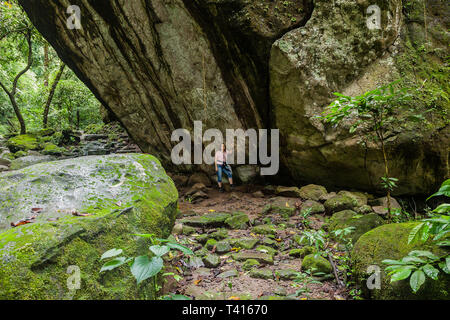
(34, 82)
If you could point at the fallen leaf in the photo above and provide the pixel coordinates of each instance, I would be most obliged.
(36, 210)
(287, 204)
(234, 298)
(197, 282)
(77, 214)
(23, 221)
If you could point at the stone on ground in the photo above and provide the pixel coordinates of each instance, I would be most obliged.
(264, 273)
(316, 263)
(261, 257)
(313, 192)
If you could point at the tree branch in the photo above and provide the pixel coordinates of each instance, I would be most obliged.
(28, 66)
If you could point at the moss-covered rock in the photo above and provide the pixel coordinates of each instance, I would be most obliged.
(51, 149)
(282, 206)
(390, 241)
(313, 192)
(28, 161)
(301, 253)
(361, 223)
(342, 201)
(249, 264)
(34, 258)
(264, 273)
(266, 249)
(264, 229)
(316, 263)
(292, 192)
(286, 274)
(209, 220)
(313, 207)
(237, 221)
(211, 260)
(244, 243)
(23, 142)
(258, 256)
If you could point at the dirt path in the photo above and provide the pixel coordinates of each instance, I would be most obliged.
(246, 253)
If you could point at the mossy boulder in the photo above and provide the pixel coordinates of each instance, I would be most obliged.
(361, 223)
(345, 200)
(390, 241)
(313, 192)
(286, 274)
(291, 192)
(266, 249)
(23, 142)
(313, 207)
(28, 161)
(283, 206)
(35, 258)
(51, 149)
(316, 263)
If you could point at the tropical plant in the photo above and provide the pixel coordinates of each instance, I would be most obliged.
(372, 114)
(419, 264)
(146, 266)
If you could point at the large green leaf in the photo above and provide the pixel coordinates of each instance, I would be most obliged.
(422, 253)
(159, 250)
(111, 253)
(144, 268)
(443, 191)
(115, 263)
(181, 248)
(431, 271)
(414, 235)
(400, 274)
(417, 280)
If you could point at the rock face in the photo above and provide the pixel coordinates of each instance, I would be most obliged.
(257, 64)
(122, 195)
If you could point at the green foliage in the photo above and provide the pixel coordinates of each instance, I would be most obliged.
(72, 99)
(316, 239)
(146, 266)
(421, 264)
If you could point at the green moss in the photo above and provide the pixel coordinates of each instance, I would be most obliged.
(316, 264)
(23, 142)
(34, 258)
(390, 241)
(361, 223)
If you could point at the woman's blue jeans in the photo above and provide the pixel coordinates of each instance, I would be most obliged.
(221, 168)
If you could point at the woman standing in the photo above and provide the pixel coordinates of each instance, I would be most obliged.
(223, 167)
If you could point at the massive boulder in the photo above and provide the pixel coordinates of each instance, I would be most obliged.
(83, 207)
(390, 241)
(158, 66)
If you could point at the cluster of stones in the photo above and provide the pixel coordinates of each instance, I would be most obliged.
(22, 151)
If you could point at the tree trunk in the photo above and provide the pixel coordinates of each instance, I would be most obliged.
(51, 94)
(12, 94)
(46, 63)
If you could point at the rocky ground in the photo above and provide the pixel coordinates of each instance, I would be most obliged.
(248, 241)
(252, 242)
